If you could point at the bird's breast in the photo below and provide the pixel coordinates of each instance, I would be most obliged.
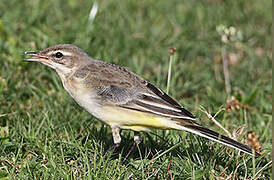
(84, 95)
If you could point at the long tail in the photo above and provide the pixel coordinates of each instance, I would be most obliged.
(214, 136)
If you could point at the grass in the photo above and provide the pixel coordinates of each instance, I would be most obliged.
(46, 135)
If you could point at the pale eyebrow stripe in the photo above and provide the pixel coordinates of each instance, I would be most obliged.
(65, 53)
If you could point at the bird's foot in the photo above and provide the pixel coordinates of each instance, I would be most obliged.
(112, 148)
(137, 141)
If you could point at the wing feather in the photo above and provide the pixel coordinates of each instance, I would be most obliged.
(123, 88)
(158, 102)
(185, 114)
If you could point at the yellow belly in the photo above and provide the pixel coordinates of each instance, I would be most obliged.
(134, 120)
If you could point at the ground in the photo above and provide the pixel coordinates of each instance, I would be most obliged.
(45, 134)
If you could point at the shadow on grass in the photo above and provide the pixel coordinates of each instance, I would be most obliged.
(200, 153)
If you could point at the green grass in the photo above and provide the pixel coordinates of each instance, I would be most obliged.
(48, 136)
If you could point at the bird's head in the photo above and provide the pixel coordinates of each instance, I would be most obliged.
(62, 57)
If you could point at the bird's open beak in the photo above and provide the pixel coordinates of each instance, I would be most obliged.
(35, 56)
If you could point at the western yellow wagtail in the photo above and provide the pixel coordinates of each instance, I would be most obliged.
(120, 98)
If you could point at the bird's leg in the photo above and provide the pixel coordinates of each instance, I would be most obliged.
(137, 141)
(116, 136)
(137, 138)
(116, 139)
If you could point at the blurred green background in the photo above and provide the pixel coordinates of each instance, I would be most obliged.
(45, 134)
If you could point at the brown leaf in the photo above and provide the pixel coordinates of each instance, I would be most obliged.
(252, 139)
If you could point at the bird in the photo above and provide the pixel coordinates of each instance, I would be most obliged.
(120, 98)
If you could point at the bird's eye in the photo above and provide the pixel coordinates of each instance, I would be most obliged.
(59, 55)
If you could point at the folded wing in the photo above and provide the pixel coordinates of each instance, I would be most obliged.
(153, 101)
